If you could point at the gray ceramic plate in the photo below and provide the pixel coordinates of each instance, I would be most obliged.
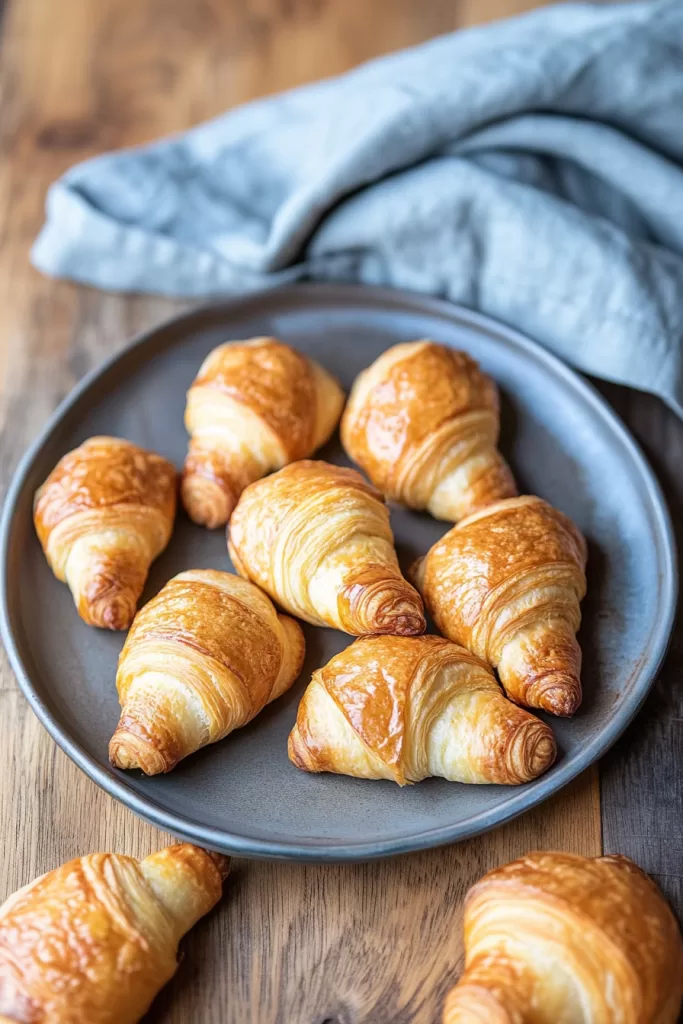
(243, 795)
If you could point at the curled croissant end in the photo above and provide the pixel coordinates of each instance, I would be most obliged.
(530, 751)
(541, 668)
(371, 603)
(106, 590)
(140, 742)
(207, 501)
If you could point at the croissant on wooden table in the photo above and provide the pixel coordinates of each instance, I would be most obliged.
(102, 516)
(317, 538)
(201, 659)
(423, 422)
(93, 941)
(405, 708)
(506, 583)
(555, 938)
(253, 407)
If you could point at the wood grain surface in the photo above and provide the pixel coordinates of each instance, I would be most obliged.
(361, 944)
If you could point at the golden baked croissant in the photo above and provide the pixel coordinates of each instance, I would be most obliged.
(93, 941)
(405, 708)
(555, 938)
(253, 407)
(201, 659)
(102, 516)
(506, 583)
(423, 423)
(316, 537)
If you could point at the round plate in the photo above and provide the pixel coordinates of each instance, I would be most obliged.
(242, 794)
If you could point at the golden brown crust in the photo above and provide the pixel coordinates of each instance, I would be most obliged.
(317, 538)
(404, 708)
(253, 407)
(574, 938)
(506, 583)
(201, 659)
(423, 423)
(93, 941)
(102, 516)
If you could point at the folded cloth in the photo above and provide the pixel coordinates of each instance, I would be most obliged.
(531, 169)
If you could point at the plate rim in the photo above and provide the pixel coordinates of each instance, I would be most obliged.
(313, 849)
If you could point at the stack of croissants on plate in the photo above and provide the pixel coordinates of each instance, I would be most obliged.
(551, 938)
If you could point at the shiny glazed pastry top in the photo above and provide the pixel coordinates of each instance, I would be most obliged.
(506, 583)
(102, 516)
(253, 407)
(317, 538)
(423, 421)
(405, 708)
(93, 941)
(555, 938)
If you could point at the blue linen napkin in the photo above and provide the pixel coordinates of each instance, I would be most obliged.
(531, 169)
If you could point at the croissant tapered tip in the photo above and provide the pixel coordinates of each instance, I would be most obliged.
(113, 610)
(298, 752)
(531, 752)
(128, 749)
(206, 501)
(559, 693)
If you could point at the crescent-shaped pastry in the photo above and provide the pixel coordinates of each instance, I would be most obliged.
(506, 583)
(555, 938)
(317, 538)
(405, 708)
(423, 421)
(201, 659)
(253, 407)
(102, 516)
(93, 941)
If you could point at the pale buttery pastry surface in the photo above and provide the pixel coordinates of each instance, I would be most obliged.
(423, 422)
(93, 941)
(555, 938)
(405, 708)
(102, 516)
(317, 538)
(201, 659)
(253, 407)
(506, 583)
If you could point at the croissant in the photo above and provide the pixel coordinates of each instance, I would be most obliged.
(102, 516)
(93, 941)
(423, 421)
(555, 938)
(506, 583)
(253, 407)
(201, 659)
(316, 537)
(404, 708)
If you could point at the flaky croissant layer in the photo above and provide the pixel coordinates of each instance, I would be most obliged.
(102, 516)
(316, 537)
(93, 941)
(253, 407)
(201, 659)
(506, 583)
(555, 938)
(405, 708)
(423, 421)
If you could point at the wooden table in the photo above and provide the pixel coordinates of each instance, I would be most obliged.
(374, 943)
